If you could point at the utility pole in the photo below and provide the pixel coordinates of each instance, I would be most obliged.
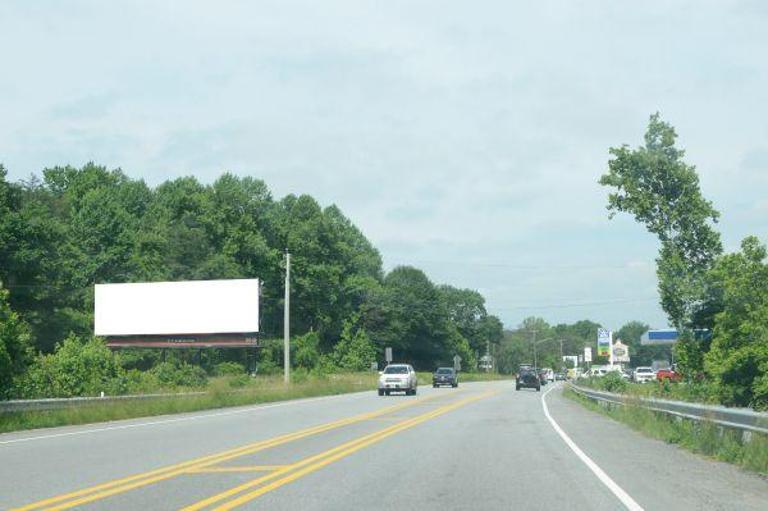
(287, 321)
(535, 358)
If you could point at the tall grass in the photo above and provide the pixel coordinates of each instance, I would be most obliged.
(705, 438)
(696, 392)
(223, 392)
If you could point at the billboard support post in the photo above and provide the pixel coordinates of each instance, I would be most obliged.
(287, 321)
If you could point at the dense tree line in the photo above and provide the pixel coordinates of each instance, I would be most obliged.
(71, 228)
(721, 297)
(517, 345)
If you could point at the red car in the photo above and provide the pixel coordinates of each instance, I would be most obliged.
(669, 374)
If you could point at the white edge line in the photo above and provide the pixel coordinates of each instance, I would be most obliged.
(248, 409)
(604, 478)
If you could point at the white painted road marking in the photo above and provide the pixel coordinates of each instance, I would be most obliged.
(617, 490)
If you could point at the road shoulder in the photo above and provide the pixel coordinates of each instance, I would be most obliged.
(656, 474)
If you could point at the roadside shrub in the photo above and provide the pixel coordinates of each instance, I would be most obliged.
(354, 351)
(306, 350)
(239, 380)
(229, 369)
(300, 375)
(141, 382)
(269, 354)
(612, 382)
(180, 374)
(76, 368)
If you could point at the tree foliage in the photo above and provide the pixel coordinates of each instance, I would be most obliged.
(354, 351)
(15, 348)
(662, 191)
(76, 227)
(738, 357)
(76, 368)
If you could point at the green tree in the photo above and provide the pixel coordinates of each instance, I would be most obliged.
(354, 351)
(306, 350)
(408, 314)
(738, 357)
(76, 368)
(15, 348)
(662, 191)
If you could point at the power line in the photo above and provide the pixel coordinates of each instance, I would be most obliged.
(580, 304)
(520, 267)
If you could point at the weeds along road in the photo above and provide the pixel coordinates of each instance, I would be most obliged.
(481, 446)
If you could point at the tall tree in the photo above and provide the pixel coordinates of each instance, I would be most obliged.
(15, 347)
(662, 191)
(738, 358)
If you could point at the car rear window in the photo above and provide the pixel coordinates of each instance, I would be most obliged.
(445, 370)
(396, 370)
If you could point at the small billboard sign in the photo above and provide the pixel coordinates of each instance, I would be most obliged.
(587, 354)
(604, 338)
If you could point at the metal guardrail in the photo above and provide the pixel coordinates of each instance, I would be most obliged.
(744, 419)
(25, 405)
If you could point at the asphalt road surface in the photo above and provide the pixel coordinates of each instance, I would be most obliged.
(481, 446)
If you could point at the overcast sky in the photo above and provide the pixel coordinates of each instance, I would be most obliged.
(465, 138)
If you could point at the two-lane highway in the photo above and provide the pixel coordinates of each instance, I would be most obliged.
(482, 446)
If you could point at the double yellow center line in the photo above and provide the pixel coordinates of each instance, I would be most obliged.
(290, 472)
(308, 465)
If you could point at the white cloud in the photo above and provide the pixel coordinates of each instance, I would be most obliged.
(467, 138)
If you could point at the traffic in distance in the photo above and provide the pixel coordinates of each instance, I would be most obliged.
(402, 378)
(640, 374)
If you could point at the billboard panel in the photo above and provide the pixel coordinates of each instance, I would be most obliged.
(190, 308)
(604, 338)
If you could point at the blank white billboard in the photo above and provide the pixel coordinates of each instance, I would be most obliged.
(172, 308)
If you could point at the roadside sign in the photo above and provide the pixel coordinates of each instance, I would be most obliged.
(374, 366)
(388, 354)
(457, 363)
(604, 342)
(587, 354)
(620, 352)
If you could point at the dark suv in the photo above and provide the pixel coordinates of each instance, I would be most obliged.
(445, 376)
(528, 377)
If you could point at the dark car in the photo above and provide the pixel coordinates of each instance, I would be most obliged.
(445, 376)
(528, 378)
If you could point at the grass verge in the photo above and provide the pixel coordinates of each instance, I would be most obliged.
(222, 392)
(259, 390)
(704, 438)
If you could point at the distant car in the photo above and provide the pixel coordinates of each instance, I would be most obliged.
(445, 376)
(560, 377)
(398, 378)
(528, 378)
(549, 374)
(669, 374)
(542, 376)
(643, 375)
